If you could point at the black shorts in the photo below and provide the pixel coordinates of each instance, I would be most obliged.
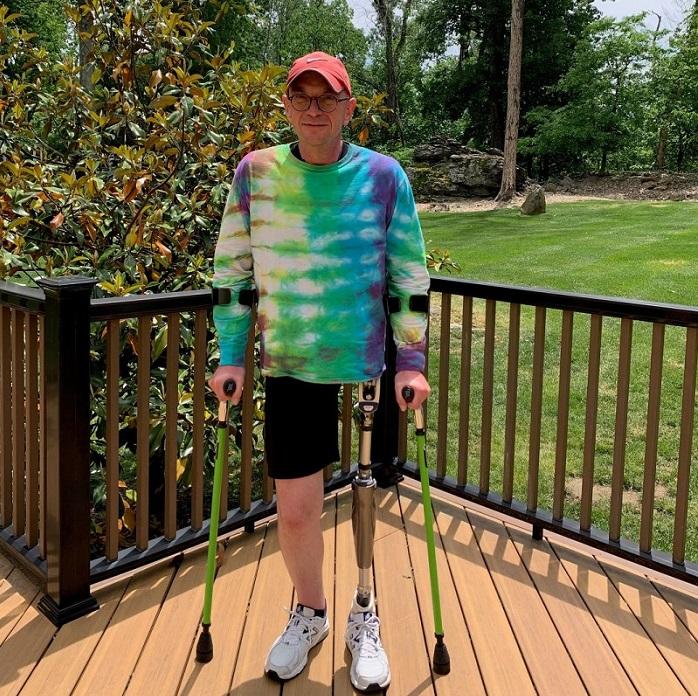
(300, 427)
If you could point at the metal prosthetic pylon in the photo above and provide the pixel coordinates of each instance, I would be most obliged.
(363, 513)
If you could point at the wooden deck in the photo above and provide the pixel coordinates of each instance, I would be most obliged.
(520, 617)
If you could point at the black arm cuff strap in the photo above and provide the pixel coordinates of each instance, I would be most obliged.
(418, 303)
(223, 296)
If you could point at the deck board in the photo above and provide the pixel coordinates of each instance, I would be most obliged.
(401, 626)
(684, 604)
(464, 667)
(67, 656)
(125, 635)
(163, 658)
(598, 626)
(23, 648)
(545, 654)
(671, 637)
(645, 665)
(17, 592)
(579, 631)
(271, 596)
(231, 596)
(501, 663)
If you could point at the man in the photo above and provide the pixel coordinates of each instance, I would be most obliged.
(319, 228)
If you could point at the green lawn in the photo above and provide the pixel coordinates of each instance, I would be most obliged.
(635, 250)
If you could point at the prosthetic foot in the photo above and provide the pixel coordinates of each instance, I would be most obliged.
(369, 671)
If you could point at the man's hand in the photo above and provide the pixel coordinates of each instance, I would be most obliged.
(416, 380)
(221, 376)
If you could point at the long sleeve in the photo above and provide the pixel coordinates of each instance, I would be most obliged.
(407, 276)
(233, 268)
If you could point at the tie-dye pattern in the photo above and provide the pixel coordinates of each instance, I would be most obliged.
(317, 241)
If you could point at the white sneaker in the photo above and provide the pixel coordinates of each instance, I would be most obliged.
(289, 653)
(369, 663)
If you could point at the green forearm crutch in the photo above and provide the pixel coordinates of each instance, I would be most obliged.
(204, 646)
(441, 661)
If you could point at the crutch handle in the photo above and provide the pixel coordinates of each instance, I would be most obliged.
(408, 396)
(229, 387)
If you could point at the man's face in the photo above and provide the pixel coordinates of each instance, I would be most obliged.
(315, 127)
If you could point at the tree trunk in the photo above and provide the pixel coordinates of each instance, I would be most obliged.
(661, 147)
(385, 19)
(511, 138)
(495, 53)
(86, 47)
(681, 152)
(384, 10)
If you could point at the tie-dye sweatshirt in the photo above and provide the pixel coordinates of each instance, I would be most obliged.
(319, 243)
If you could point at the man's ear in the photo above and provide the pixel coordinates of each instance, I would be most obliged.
(286, 102)
(351, 105)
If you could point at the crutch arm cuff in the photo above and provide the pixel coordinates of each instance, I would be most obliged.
(416, 303)
(224, 296)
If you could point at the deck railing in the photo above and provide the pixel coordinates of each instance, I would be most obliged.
(603, 315)
(479, 405)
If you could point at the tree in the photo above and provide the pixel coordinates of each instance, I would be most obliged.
(45, 19)
(478, 30)
(291, 28)
(605, 95)
(393, 27)
(674, 87)
(508, 185)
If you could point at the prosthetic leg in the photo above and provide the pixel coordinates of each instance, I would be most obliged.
(369, 671)
(363, 513)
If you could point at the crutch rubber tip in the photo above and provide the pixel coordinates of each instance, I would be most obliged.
(204, 646)
(441, 662)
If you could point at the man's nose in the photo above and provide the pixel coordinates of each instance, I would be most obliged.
(314, 107)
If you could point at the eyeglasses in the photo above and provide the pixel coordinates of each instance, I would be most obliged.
(325, 102)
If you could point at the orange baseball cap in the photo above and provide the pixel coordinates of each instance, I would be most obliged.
(329, 67)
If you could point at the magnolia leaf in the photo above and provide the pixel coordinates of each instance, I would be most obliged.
(131, 239)
(165, 251)
(163, 101)
(155, 78)
(129, 518)
(57, 221)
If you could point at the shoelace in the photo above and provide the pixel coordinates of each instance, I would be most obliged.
(368, 630)
(297, 629)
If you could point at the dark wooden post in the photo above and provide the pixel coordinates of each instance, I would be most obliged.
(67, 475)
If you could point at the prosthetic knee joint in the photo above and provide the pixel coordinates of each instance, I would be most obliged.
(363, 514)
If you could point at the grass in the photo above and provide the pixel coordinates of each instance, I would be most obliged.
(635, 250)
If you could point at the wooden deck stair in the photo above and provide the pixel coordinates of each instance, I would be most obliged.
(520, 617)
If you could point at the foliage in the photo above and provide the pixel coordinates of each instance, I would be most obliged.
(674, 88)
(45, 19)
(123, 179)
(469, 83)
(278, 31)
(605, 94)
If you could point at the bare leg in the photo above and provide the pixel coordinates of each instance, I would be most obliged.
(299, 503)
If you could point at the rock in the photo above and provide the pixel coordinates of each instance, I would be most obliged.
(551, 188)
(444, 167)
(436, 149)
(677, 196)
(567, 184)
(535, 202)
(494, 151)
